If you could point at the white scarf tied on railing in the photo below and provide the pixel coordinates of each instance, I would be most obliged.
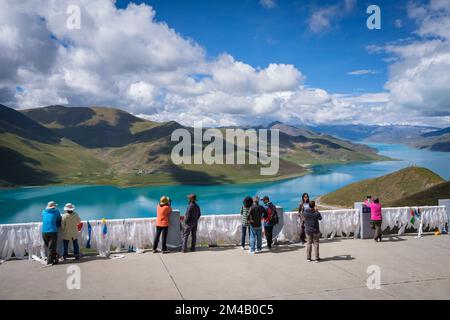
(137, 234)
(431, 217)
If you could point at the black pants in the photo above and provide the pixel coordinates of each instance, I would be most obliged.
(376, 224)
(50, 241)
(302, 232)
(160, 230)
(189, 230)
(268, 231)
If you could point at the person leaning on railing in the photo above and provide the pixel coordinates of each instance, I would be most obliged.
(163, 211)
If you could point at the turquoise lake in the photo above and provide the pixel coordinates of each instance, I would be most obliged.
(96, 202)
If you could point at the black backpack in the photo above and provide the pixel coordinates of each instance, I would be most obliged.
(274, 219)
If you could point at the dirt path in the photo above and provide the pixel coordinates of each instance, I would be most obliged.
(327, 206)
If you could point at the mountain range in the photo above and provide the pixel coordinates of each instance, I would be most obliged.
(421, 137)
(99, 145)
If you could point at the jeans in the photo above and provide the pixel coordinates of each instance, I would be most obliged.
(255, 238)
(76, 248)
(312, 238)
(164, 231)
(243, 234)
(189, 230)
(50, 241)
(268, 231)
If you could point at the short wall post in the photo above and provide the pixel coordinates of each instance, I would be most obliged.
(174, 232)
(366, 231)
(277, 228)
(446, 203)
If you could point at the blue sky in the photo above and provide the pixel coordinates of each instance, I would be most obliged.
(231, 62)
(259, 36)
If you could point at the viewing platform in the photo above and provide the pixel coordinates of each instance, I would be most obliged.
(410, 269)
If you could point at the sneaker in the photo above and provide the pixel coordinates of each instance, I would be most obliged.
(258, 250)
(243, 248)
(155, 251)
(317, 260)
(165, 251)
(309, 260)
(251, 252)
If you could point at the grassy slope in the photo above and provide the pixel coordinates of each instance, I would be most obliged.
(27, 162)
(388, 188)
(428, 197)
(137, 152)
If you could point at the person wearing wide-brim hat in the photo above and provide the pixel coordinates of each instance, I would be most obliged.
(51, 221)
(190, 222)
(69, 228)
(163, 211)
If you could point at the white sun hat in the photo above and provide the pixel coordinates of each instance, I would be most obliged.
(51, 204)
(69, 207)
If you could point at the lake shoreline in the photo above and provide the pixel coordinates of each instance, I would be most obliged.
(309, 170)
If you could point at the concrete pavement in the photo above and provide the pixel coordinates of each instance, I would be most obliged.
(410, 269)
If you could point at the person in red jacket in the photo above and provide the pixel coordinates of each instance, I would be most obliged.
(163, 211)
(376, 217)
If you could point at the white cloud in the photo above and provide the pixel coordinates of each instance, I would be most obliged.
(125, 58)
(419, 80)
(268, 4)
(326, 18)
(362, 72)
(398, 23)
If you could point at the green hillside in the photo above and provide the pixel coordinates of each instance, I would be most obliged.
(427, 197)
(388, 188)
(98, 145)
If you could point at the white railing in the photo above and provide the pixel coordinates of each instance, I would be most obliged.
(429, 217)
(25, 239)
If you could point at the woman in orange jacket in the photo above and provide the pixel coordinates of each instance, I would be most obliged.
(163, 211)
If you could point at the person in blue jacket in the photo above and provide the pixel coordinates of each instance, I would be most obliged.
(51, 221)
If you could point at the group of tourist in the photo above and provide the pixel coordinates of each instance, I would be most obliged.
(255, 218)
(67, 224)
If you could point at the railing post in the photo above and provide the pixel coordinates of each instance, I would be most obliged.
(174, 232)
(366, 231)
(446, 203)
(277, 228)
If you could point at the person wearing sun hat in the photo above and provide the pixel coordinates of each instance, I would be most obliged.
(163, 210)
(69, 228)
(51, 221)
